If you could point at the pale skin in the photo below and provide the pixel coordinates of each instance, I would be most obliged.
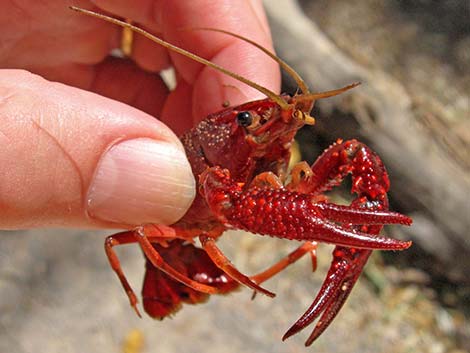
(54, 134)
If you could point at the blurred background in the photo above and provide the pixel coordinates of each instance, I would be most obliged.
(57, 293)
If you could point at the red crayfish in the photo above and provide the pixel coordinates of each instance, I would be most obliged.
(240, 156)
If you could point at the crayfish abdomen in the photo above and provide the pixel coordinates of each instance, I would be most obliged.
(162, 295)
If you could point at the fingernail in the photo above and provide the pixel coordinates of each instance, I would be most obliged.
(141, 181)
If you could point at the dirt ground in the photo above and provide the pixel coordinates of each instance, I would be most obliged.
(57, 294)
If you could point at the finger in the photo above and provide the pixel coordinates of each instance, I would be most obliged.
(148, 55)
(73, 158)
(149, 12)
(122, 80)
(141, 11)
(39, 35)
(211, 89)
(180, 97)
(145, 53)
(116, 78)
(70, 56)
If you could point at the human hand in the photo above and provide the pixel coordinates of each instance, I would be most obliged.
(70, 157)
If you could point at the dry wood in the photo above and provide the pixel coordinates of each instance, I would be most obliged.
(429, 164)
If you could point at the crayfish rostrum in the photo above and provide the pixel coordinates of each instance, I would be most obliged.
(240, 157)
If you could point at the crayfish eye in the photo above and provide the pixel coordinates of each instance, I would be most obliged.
(244, 119)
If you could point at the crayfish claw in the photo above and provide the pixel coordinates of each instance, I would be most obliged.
(342, 236)
(344, 271)
(357, 215)
(330, 312)
(324, 297)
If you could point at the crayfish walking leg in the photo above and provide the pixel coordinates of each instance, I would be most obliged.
(145, 235)
(221, 261)
(151, 237)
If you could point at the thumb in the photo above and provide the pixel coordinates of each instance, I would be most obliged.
(72, 158)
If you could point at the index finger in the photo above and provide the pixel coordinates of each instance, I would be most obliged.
(203, 88)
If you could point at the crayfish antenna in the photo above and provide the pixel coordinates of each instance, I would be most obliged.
(270, 94)
(314, 96)
(294, 74)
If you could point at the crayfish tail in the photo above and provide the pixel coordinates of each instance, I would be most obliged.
(163, 295)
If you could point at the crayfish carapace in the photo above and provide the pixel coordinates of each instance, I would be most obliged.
(240, 157)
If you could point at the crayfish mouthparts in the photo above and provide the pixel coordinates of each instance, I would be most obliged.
(303, 117)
